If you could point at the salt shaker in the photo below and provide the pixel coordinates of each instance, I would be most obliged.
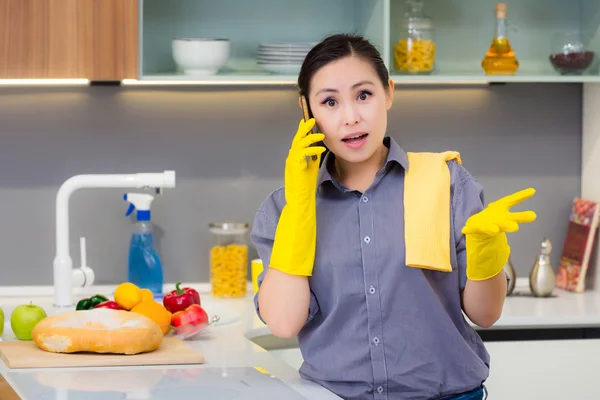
(542, 279)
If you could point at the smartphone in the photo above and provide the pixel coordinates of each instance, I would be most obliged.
(306, 118)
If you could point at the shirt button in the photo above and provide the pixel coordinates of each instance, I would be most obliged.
(367, 239)
(372, 290)
(365, 199)
(380, 389)
(376, 340)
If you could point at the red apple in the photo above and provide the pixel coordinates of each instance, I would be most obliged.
(190, 321)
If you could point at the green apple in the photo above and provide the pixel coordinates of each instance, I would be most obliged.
(24, 318)
(1, 321)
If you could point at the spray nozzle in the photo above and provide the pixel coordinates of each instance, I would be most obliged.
(141, 202)
(129, 210)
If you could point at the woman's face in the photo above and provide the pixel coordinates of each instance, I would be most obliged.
(350, 104)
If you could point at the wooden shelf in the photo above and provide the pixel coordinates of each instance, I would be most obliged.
(463, 32)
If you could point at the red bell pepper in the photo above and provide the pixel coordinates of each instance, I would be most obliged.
(109, 304)
(192, 319)
(180, 299)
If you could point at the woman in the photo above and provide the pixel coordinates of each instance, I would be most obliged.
(370, 324)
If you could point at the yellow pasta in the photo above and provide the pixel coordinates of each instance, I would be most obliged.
(229, 270)
(414, 55)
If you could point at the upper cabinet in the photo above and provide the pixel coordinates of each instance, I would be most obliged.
(69, 39)
(262, 41)
(284, 27)
(539, 32)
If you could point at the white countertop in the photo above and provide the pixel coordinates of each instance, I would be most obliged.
(224, 347)
(521, 310)
(227, 346)
(563, 310)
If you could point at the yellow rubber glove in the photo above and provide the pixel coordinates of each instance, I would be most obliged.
(296, 234)
(486, 243)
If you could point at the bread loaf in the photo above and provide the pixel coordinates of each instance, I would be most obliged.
(100, 330)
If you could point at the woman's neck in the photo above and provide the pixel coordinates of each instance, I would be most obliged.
(359, 176)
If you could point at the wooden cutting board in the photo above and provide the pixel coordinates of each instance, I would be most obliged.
(25, 354)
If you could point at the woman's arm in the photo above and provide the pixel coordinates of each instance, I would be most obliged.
(483, 300)
(284, 302)
(487, 251)
(481, 245)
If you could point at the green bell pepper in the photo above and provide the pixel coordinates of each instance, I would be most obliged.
(90, 302)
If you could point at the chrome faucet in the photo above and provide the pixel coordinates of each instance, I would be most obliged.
(65, 277)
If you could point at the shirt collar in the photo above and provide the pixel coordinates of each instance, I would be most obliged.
(395, 153)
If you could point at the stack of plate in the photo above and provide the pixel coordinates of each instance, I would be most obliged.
(282, 57)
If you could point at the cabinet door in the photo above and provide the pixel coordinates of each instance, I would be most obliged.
(93, 39)
(110, 28)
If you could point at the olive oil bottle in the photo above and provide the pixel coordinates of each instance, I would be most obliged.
(500, 58)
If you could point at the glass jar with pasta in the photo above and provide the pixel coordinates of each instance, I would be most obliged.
(414, 52)
(229, 259)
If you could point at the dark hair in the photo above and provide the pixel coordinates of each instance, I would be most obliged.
(333, 48)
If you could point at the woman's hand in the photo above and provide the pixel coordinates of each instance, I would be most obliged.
(295, 237)
(486, 243)
(301, 169)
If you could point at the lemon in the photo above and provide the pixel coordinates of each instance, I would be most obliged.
(127, 295)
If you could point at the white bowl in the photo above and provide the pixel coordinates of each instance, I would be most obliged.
(200, 56)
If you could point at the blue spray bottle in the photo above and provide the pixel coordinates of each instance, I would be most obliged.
(145, 268)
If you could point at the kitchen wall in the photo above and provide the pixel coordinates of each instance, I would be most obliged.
(228, 148)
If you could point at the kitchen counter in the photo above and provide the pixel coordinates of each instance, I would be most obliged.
(230, 359)
(521, 311)
(563, 310)
(231, 345)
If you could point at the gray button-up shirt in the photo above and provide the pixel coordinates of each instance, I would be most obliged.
(378, 329)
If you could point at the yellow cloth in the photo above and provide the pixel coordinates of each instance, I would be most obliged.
(427, 210)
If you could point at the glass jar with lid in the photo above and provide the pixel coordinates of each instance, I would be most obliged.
(414, 52)
(229, 259)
